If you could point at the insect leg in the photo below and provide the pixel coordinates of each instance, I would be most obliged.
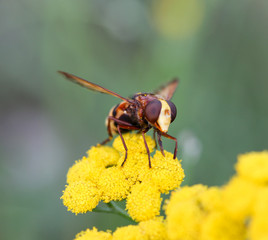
(129, 127)
(147, 148)
(176, 145)
(106, 140)
(155, 139)
(123, 141)
(160, 143)
(123, 125)
(109, 133)
(125, 146)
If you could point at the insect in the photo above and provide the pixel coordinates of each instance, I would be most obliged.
(141, 112)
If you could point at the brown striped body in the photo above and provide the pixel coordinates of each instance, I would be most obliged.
(131, 113)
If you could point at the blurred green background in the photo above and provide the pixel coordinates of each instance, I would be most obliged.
(217, 48)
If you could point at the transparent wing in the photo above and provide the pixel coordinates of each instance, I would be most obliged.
(168, 90)
(91, 86)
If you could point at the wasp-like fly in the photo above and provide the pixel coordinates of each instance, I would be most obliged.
(141, 112)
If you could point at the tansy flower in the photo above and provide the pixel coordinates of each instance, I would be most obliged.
(253, 166)
(258, 229)
(93, 234)
(136, 165)
(184, 213)
(196, 212)
(113, 184)
(153, 229)
(90, 168)
(211, 199)
(129, 233)
(166, 172)
(239, 197)
(237, 210)
(186, 193)
(144, 202)
(134, 143)
(219, 226)
(184, 222)
(81, 196)
(107, 180)
(105, 155)
(85, 170)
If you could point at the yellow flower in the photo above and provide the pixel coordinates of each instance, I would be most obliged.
(144, 201)
(259, 225)
(135, 165)
(113, 185)
(166, 172)
(104, 154)
(184, 221)
(211, 199)
(253, 166)
(134, 143)
(239, 197)
(237, 210)
(93, 235)
(154, 229)
(184, 213)
(219, 226)
(135, 181)
(85, 170)
(81, 196)
(185, 193)
(129, 233)
(188, 209)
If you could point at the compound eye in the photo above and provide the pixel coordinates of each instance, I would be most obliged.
(173, 110)
(152, 110)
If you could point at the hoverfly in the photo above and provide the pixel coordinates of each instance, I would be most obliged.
(141, 112)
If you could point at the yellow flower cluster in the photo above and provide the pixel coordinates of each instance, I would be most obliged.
(100, 177)
(237, 210)
(93, 234)
(153, 229)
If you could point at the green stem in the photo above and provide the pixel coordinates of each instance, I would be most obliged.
(114, 208)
